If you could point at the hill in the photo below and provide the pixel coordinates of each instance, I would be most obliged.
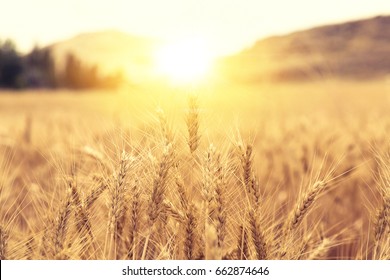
(111, 50)
(353, 50)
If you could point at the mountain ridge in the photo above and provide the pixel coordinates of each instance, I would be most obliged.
(358, 49)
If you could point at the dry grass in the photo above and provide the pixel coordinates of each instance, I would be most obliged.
(272, 172)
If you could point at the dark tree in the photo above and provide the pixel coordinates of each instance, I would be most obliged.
(11, 66)
(40, 69)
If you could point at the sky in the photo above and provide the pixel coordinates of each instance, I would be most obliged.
(227, 25)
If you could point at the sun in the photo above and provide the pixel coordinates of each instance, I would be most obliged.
(185, 61)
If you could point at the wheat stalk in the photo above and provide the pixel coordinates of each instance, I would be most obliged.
(243, 243)
(382, 221)
(96, 192)
(221, 215)
(190, 234)
(135, 212)
(249, 179)
(247, 161)
(164, 126)
(155, 206)
(29, 254)
(62, 225)
(3, 242)
(159, 186)
(117, 203)
(82, 215)
(304, 205)
(83, 223)
(257, 235)
(382, 229)
(193, 123)
(320, 250)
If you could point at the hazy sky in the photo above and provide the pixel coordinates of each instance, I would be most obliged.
(228, 25)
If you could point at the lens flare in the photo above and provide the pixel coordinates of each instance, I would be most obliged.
(185, 61)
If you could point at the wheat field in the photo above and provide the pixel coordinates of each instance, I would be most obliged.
(290, 171)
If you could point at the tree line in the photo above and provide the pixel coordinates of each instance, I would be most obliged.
(38, 69)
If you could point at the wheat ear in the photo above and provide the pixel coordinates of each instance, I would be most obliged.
(135, 212)
(3, 242)
(62, 225)
(117, 203)
(102, 185)
(320, 250)
(155, 206)
(190, 234)
(304, 205)
(257, 234)
(193, 123)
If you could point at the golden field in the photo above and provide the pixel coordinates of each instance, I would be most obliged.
(289, 171)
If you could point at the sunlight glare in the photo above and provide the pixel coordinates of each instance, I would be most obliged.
(185, 61)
